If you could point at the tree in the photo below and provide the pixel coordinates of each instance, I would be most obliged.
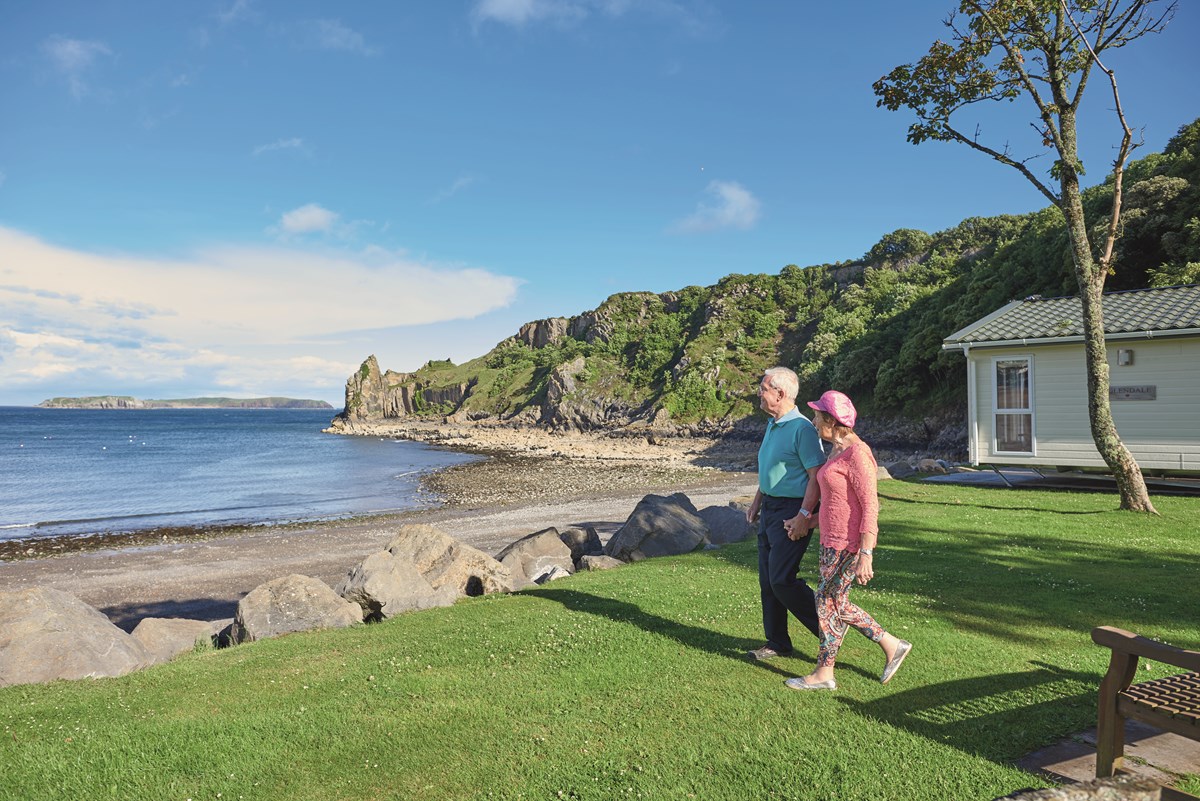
(1045, 51)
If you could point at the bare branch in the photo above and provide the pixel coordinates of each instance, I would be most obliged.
(1004, 158)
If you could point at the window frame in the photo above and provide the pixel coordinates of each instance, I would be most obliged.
(1029, 409)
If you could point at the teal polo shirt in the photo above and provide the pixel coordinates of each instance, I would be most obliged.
(789, 449)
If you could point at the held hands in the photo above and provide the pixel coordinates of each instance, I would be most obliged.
(798, 527)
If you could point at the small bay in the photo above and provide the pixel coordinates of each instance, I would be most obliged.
(85, 471)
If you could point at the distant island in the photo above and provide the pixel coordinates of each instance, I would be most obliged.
(127, 402)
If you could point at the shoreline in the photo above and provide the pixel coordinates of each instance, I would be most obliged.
(519, 466)
(204, 578)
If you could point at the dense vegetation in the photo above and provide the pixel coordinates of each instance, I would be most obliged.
(872, 327)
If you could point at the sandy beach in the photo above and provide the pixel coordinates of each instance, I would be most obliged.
(202, 573)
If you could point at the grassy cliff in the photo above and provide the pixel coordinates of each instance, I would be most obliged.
(871, 326)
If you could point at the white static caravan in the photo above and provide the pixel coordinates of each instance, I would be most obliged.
(1027, 381)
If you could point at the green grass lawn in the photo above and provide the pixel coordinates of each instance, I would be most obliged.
(632, 683)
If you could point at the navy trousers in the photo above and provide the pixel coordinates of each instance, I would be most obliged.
(782, 589)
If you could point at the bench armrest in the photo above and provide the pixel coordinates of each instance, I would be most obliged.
(1126, 642)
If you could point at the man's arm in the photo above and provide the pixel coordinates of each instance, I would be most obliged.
(752, 512)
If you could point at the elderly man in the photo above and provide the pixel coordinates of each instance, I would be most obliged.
(788, 460)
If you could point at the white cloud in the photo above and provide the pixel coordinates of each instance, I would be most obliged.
(252, 319)
(74, 59)
(734, 207)
(295, 143)
(308, 219)
(331, 34)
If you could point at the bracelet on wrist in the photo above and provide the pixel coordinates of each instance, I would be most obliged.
(866, 551)
(807, 514)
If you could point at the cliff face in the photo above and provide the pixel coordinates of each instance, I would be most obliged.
(374, 396)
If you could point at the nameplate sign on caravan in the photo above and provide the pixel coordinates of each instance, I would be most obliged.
(1145, 392)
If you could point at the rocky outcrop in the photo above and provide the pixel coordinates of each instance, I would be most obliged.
(166, 638)
(47, 634)
(535, 558)
(290, 604)
(444, 561)
(372, 396)
(540, 333)
(659, 526)
(385, 585)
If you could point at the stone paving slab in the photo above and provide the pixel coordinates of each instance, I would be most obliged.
(1149, 752)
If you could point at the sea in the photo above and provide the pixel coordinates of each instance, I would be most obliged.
(67, 472)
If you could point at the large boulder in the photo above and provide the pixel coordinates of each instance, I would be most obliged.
(659, 526)
(47, 634)
(588, 562)
(726, 524)
(166, 638)
(444, 561)
(385, 585)
(289, 604)
(536, 556)
(582, 542)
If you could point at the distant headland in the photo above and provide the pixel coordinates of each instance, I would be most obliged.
(128, 402)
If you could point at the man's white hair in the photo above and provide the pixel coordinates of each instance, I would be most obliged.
(785, 379)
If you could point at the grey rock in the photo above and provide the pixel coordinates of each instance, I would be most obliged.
(727, 524)
(385, 585)
(534, 556)
(166, 638)
(289, 604)
(540, 333)
(659, 526)
(582, 542)
(882, 474)
(588, 562)
(900, 469)
(444, 561)
(931, 466)
(47, 634)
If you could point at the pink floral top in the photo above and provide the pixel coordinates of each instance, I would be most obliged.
(849, 502)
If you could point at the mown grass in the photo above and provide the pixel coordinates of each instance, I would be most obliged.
(632, 683)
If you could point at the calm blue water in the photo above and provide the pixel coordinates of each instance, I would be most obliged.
(81, 471)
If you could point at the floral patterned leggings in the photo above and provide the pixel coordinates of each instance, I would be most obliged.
(834, 609)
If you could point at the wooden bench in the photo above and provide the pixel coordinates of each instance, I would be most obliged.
(1171, 703)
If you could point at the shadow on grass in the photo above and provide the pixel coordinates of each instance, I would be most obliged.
(702, 639)
(999, 717)
(1014, 507)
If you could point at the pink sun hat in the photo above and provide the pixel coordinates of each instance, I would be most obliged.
(837, 406)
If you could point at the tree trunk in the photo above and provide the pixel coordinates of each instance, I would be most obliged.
(1090, 277)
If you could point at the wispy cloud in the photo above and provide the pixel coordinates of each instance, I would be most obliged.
(695, 18)
(307, 219)
(249, 318)
(331, 34)
(74, 60)
(295, 143)
(732, 206)
(461, 183)
(238, 11)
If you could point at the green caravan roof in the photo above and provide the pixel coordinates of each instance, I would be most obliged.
(1131, 314)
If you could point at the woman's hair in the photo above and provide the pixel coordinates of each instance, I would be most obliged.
(784, 379)
(839, 430)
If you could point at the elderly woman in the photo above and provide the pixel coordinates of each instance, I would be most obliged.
(849, 521)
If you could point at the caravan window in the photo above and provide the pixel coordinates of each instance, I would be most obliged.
(1014, 405)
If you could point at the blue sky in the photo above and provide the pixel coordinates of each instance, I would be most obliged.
(244, 197)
